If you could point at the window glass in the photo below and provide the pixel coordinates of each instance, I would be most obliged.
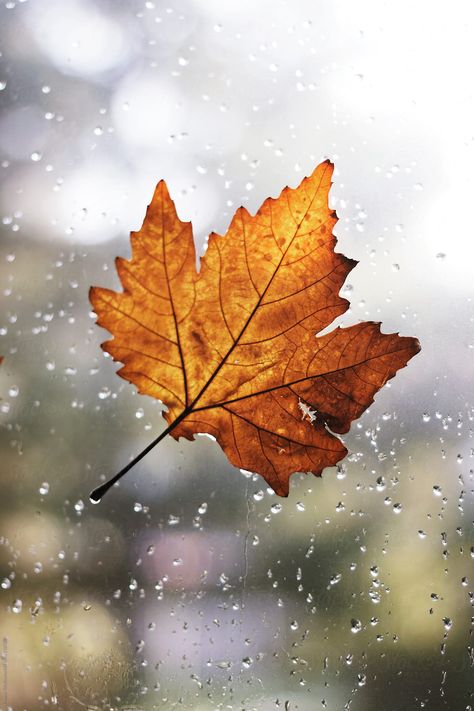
(192, 585)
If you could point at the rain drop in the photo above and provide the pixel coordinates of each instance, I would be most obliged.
(17, 606)
(356, 626)
(447, 622)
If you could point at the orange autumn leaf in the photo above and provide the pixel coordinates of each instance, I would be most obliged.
(233, 350)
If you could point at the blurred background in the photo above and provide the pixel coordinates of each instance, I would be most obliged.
(191, 585)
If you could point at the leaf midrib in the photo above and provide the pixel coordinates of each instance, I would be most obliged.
(191, 407)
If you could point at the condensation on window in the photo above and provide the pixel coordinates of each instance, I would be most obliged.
(192, 585)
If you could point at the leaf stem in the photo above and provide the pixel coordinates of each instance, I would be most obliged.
(97, 494)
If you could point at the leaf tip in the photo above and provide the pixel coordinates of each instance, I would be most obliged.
(160, 194)
(282, 488)
(350, 263)
(93, 294)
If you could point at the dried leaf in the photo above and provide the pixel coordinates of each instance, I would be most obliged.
(233, 350)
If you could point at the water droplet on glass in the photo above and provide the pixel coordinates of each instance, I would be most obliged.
(139, 413)
(356, 626)
(374, 595)
(36, 156)
(447, 622)
(275, 508)
(44, 488)
(79, 506)
(341, 472)
(17, 606)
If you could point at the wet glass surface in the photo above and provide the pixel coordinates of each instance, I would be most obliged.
(191, 585)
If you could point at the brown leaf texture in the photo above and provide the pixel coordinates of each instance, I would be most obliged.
(233, 350)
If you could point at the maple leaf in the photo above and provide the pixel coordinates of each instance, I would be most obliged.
(233, 350)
